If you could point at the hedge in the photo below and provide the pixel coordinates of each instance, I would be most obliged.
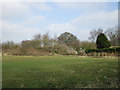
(108, 50)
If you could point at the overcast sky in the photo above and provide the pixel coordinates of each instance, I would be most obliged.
(21, 20)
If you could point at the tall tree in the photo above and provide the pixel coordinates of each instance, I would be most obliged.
(69, 39)
(102, 41)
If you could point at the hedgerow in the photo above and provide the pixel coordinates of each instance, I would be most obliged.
(107, 50)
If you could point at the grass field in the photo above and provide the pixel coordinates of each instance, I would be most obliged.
(59, 72)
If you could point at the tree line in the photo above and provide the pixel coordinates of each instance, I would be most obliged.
(65, 44)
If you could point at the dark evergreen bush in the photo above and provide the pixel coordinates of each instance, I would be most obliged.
(102, 41)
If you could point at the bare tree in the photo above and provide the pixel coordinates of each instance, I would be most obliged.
(37, 40)
(37, 37)
(112, 33)
(94, 34)
(47, 40)
(118, 36)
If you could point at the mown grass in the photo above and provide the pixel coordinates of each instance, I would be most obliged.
(59, 72)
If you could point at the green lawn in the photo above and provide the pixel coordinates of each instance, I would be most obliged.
(59, 72)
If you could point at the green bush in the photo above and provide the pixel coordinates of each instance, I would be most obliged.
(108, 50)
(102, 41)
